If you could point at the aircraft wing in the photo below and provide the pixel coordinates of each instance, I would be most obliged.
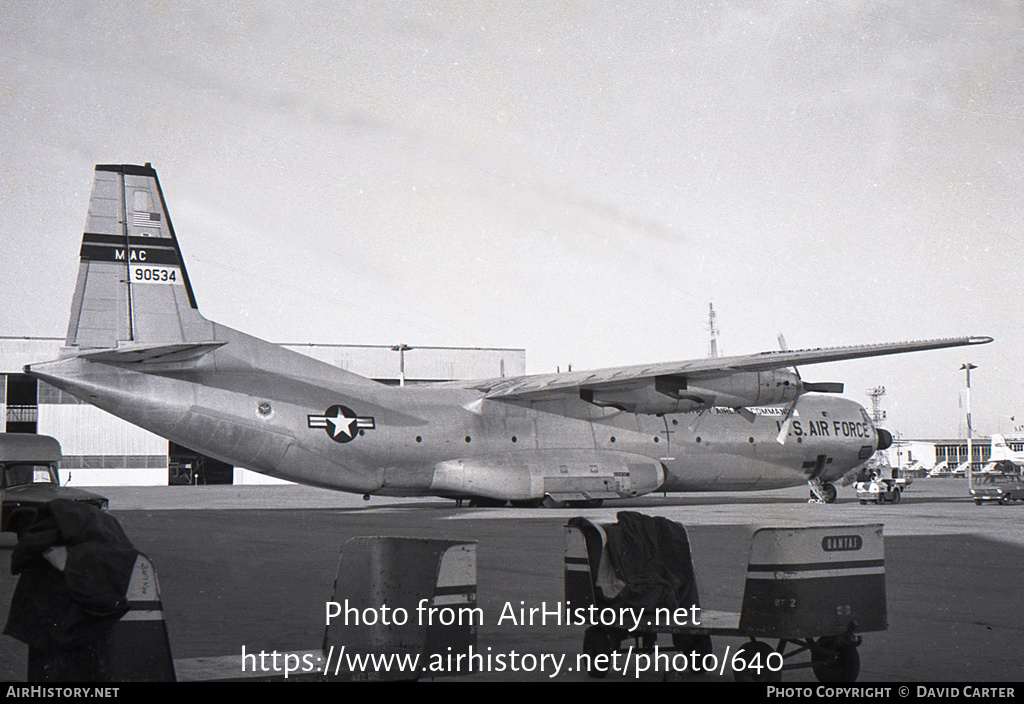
(541, 386)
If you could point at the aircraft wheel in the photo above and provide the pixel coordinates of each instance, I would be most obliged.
(754, 657)
(830, 493)
(586, 503)
(835, 661)
(978, 502)
(485, 502)
(1005, 501)
(525, 503)
(548, 502)
(597, 641)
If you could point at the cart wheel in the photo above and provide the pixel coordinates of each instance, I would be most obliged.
(896, 496)
(754, 655)
(834, 660)
(597, 641)
(863, 502)
(880, 500)
(978, 502)
(687, 643)
(1005, 501)
(692, 643)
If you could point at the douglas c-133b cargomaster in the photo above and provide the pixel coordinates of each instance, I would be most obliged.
(138, 347)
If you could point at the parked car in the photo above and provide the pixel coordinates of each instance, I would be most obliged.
(1003, 488)
(28, 479)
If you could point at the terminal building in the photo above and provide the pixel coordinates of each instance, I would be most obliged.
(103, 450)
(943, 457)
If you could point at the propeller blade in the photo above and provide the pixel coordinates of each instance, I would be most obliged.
(787, 423)
(824, 387)
(785, 348)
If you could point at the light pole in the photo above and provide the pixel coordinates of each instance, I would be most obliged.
(967, 367)
(401, 350)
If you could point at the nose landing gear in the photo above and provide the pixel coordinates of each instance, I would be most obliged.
(822, 492)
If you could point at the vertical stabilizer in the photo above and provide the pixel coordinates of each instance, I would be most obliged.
(998, 448)
(132, 285)
(1001, 452)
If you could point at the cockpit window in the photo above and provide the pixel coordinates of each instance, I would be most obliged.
(22, 474)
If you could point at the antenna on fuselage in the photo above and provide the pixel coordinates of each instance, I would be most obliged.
(713, 351)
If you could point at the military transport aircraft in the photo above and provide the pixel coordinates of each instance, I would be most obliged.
(138, 347)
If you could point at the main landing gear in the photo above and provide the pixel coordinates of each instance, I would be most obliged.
(822, 492)
(546, 502)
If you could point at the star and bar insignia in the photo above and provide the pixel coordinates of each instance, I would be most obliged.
(341, 423)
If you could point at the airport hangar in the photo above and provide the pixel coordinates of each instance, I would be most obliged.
(103, 450)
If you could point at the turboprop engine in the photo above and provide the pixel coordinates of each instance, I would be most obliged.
(682, 394)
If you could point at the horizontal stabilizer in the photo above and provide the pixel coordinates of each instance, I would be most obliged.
(143, 354)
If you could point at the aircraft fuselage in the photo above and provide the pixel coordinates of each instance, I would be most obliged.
(296, 423)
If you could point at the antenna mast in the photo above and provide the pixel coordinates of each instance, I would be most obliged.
(713, 351)
(877, 414)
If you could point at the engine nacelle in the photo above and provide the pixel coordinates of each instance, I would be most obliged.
(682, 394)
(565, 475)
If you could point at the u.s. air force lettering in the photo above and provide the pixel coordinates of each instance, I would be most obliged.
(341, 423)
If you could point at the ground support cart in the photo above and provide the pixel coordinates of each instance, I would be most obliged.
(812, 591)
(879, 491)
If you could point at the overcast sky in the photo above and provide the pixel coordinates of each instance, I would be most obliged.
(578, 179)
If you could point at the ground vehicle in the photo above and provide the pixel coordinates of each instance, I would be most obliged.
(879, 491)
(28, 479)
(1000, 487)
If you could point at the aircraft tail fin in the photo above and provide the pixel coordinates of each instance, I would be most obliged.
(1000, 451)
(132, 285)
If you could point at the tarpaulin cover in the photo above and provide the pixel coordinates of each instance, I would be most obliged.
(69, 609)
(651, 555)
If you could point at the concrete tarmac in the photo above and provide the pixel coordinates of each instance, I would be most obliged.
(252, 567)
